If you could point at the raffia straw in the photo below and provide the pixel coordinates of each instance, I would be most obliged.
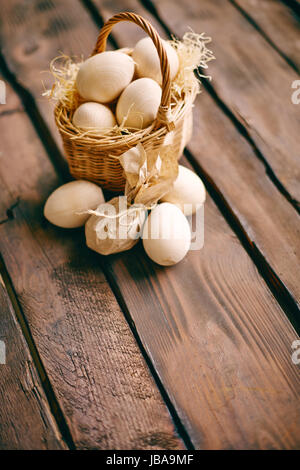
(192, 53)
(92, 153)
(127, 212)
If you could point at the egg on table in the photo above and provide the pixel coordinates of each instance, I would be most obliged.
(188, 191)
(67, 205)
(166, 235)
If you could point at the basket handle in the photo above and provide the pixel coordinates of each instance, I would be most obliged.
(162, 114)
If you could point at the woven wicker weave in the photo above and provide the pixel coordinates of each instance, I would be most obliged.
(92, 157)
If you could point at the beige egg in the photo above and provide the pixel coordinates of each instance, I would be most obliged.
(166, 235)
(104, 76)
(107, 235)
(147, 61)
(65, 205)
(138, 104)
(188, 191)
(93, 115)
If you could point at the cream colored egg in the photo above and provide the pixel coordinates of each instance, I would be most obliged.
(166, 235)
(93, 115)
(107, 235)
(188, 191)
(104, 76)
(147, 61)
(138, 104)
(65, 205)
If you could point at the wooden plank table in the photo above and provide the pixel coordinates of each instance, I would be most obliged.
(116, 352)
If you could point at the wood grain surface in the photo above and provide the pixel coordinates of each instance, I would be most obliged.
(269, 221)
(98, 374)
(219, 342)
(250, 77)
(226, 157)
(21, 392)
(277, 23)
(230, 162)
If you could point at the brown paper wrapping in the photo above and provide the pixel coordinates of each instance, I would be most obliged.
(117, 225)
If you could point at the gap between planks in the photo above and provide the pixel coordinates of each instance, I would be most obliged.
(277, 287)
(293, 4)
(161, 439)
(38, 122)
(21, 389)
(50, 395)
(149, 5)
(251, 94)
(60, 167)
(267, 193)
(267, 38)
(180, 428)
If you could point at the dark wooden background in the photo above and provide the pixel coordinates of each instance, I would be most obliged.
(116, 352)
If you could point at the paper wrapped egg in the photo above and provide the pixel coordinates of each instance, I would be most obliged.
(166, 235)
(104, 76)
(106, 232)
(188, 192)
(65, 207)
(138, 104)
(147, 61)
(93, 115)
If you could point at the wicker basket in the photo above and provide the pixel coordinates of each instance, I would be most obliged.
(93, 157)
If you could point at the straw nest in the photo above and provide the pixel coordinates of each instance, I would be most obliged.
(110, 143)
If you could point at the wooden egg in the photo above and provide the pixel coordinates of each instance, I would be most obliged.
(166, 235)
(65, 205)
(113, 235)
(147, 62)
(138, 104)
(188, 192)
(104, 76)
(93, 115)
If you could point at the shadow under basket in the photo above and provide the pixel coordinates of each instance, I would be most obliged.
(95, 157)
